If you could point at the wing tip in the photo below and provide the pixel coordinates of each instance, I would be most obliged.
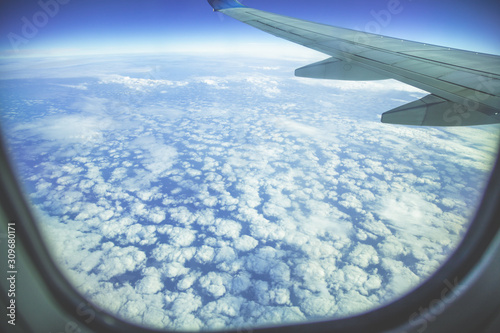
(224, 4)
(433, 110)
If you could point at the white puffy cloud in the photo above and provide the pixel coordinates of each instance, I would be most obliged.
(353, 302)
(117, 260)
(365, 86)
(138, 83)
(178, 236)
(150, 284)
(391, 247)
(205, 254)
(182, 215)
(241, 283)
(159, 156)
(169, 253)
(316, 305)
(245, 243)
(214, 284)
(174, 269)
(185, 303)
(364, 255)
(280, 273)
(142, 235)
(195, 212)
(226, 228)
(187, 282)
(401, 278)
(68, 128)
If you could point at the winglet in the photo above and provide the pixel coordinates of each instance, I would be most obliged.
(433, 110)
(225, 4)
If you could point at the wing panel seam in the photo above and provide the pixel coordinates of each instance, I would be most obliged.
(408, 56)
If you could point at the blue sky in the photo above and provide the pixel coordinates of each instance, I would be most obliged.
(150, 25)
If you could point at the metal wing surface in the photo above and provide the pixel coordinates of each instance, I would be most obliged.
(464, 86)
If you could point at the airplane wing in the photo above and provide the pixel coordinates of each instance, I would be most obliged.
(464, 86)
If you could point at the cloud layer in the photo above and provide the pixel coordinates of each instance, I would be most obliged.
(198, 199)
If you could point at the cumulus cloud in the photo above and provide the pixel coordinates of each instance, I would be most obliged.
(245, 243)
(219, 209)
(68, 128)
(366, 86)
(159, 158)
(139, 84)
(364, 255)
(150, 284)
(214, 284)
(118, 260)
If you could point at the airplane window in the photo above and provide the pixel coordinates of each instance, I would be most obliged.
(185, 179)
